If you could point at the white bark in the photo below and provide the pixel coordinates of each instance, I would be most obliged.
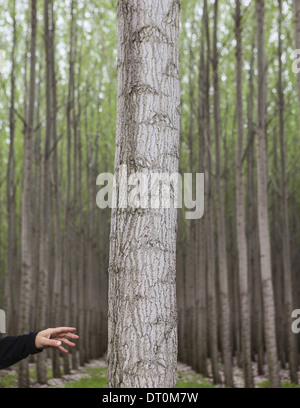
(142, 348)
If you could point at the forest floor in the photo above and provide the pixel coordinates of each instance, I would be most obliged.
(94, 375)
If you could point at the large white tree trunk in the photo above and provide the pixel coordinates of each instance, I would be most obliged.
(142, 347)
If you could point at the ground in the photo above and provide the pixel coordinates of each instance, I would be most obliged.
(93, 375)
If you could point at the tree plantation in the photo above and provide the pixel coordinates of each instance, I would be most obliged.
(150, 188)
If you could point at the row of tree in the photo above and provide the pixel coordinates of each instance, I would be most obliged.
(56, 242)
(238, 274)
(238, 268)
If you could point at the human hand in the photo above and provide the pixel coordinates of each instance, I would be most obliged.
(54, 338)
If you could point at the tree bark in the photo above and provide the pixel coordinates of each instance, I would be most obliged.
(26, 258)
(11, 240)
(240, 209)
(252, 231)
(209, 218)
(292, 352)
(142, 345)
(68, 203)
(262, 205)
(43, 276)
(222, 255)
(200, 249)
(297, 39)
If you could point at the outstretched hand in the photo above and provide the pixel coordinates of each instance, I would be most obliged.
(54, 338)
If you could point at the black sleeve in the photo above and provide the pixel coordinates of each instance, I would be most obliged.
(14, 349)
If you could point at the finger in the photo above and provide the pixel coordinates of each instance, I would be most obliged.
(68, 343)
(50, 343)
(63, 350)
(60, 330)
(68, 335)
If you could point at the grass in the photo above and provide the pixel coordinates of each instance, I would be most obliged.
(190, 384)
(101, 382)
(96, 377)
(9, 381)
(88, 383)
(33, 373)
(266, 384)
(193, 381)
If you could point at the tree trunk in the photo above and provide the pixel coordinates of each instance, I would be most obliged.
(26, 258)
(252, 231)
(57, 244)
(297, 38)
(142, 345)
(222, 255)
(240, 209)
(292, 352)
(262, 204)
(210, 244)
(67, 226)
(11, 240)
(43, 277)
(200, 249)
(190, 269)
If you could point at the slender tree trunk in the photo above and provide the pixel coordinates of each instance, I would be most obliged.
(222, 255)
(67, 236)
(262, 203)
(142, 345)
(240, 209)
(57, 244)
(190, 244)
(297, 38)
(180, 266)
(200, 249)
(11, 242)
(43, 277)
(210, 244)
(287, 267)
(252, 231)
(276, 250)
(26, 259)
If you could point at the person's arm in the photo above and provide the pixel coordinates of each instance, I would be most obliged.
(16, 348)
